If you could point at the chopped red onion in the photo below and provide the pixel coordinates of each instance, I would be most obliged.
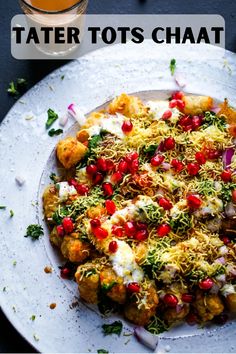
(215, 109)
(227, 157)
(63, 120)
(180, 80)
(146, 338)
(165, 165)
(220, 260)
(230, 210)
(76, 113)
(179, 308)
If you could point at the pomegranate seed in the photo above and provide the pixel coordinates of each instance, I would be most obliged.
(82, 189)
(177, 95)
(133, 287)
(173, 103)
(123, 167)
(165, 203)
(161, 147)
(141, 225)
(169, 143)
(73, 182)
(157, 160)
(97, 178)
(177, 165)
(170, 300)
(226, 240)
(110, 206)
(185, 121)
(206, 284)
(196, 122)
(141, 235)
(187, 298)
(200, 158)
(127, 126)
(131, 156)
(193, 169)
(163, 230)
(180, 104)
(134, 166)
(107, 189)
(193, 201)
(213, 154)
(234, 196)
(65, 273)
(102, 165)
(130, 228)
(226, 176)
(113, 246)
(95, 223)
(191, 319)
(110, 165)
(117, 230)
(60, 231)
(91, 170)
(116, 177)
(100, 233)
(167, 115)
(68, 225)
(221, 319)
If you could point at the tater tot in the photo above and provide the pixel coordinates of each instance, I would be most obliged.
(55, 239)
(70, 152)
(74, 249)
(141, 315)
(50, 201)
(88, 283)
(195, 105)
(109, 279)
(126, 105)
(208, 305)
(231, 302)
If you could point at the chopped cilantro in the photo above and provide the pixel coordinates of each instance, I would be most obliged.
(151, 149)
(33, 317)
(53, 132)
(15, 88)
(90, 272)
(12, 90)
(2, 207)
(4, 289)
(113, 328)
(100, 351)
(21, 82)
(212, 119)
(53, 177)
(52, 117)
(14, 263)
(11, 213)
(62, 77)
(226, 192)
(34, 231)
(107, 287)
(172, 66)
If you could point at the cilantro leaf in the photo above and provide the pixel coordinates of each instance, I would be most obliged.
(113, 328)
(100, 351)
(107, 287)
(11, 213)
(151, 149)
(53, 132)
(52, 117)
(2, 207)
(34, 231)
(12, 89)
(172, 66)
(21, 82)
(212, 119)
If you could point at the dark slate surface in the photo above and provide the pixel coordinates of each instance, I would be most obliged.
(10, 69)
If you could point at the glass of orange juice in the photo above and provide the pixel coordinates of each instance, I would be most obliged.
(55, 13)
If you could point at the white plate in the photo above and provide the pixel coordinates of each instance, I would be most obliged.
(25, 150)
